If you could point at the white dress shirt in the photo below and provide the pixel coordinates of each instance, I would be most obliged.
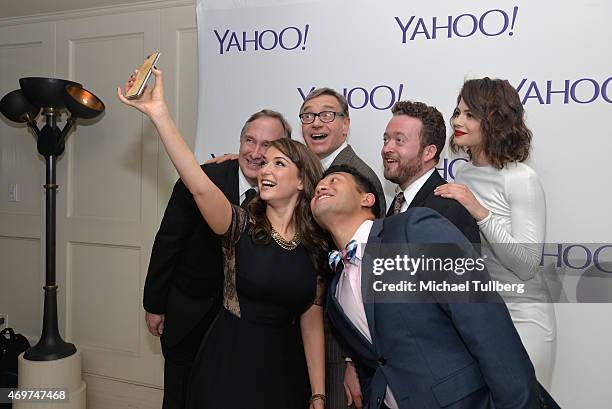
(329, 159)
(243, 186)
(411, 191)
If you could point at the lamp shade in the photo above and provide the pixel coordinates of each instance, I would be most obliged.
(15, 107)
(45, 92)
(82, 103)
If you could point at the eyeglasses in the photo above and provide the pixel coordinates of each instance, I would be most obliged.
(324, 116)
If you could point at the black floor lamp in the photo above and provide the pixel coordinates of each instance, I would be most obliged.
(23, 105)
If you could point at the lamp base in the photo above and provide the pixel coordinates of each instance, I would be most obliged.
(62, 373)
(50, 351)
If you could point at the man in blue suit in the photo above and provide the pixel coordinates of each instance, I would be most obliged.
(431, 354)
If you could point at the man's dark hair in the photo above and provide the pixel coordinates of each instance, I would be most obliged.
(363, 184)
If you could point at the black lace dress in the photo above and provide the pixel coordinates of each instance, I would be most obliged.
(253, 357)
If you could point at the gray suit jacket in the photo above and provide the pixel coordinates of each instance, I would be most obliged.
(348, 157)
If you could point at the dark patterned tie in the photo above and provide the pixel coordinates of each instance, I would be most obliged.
(337, 258)
(248, 195)
(396, 206)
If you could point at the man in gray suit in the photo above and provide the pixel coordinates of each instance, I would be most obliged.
(325, 127)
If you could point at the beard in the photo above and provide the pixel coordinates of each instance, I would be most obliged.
(404, 171)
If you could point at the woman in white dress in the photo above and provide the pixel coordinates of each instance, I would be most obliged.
(507, 200)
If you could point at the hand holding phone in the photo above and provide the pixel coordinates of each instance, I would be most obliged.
(142, 75)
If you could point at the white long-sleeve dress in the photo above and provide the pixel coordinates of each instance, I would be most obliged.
(512, 238)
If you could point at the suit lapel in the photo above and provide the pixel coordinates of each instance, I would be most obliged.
(344, 157)
(336, 305)
(372, 248)
(427, 189)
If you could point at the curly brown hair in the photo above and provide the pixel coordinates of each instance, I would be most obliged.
(498, 106)
(315, 240)
(433, 130)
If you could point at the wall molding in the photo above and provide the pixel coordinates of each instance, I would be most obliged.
(95, 11)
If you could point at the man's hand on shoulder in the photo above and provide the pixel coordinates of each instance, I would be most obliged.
(155, 323)
(222, 158)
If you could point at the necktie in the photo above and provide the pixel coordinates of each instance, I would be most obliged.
(248, 195)
(396, 206)
(337, 258)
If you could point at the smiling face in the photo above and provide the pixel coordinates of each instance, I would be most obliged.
(324, 138)
(254, 142)
(337, 195)
(278, 178)
(466, 128)
(402, 153)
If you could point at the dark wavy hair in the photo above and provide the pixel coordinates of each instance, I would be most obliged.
(315, 240)
(498, 106)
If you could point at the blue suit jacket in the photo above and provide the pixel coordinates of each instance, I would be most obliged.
(436, 354)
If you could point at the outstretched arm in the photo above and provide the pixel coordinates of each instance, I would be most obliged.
(213, 205)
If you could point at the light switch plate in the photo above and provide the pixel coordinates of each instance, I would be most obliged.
(13, 192)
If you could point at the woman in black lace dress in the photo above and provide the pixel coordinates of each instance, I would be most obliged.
(266, 347)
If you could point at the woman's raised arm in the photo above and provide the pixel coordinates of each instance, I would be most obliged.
(213, 205)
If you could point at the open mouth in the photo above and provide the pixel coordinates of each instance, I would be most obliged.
(389, 162)
(265, 183)
(322, 197)
(318, 136)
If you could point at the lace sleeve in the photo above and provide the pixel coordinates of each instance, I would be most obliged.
(240, 218)
(321, 291)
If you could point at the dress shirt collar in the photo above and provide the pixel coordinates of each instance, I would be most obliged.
(361, 236)
(243, 185)
(411, 191)
(329, 159)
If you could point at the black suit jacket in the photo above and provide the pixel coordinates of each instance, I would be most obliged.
(185, 275)
(449, 208)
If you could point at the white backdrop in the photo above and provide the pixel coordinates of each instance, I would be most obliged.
(269, 54)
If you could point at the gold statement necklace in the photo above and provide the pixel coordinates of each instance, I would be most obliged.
(286, 244)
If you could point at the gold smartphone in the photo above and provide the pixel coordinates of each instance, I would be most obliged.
(144, 72)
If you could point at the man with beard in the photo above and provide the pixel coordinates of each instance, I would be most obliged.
(412, 143)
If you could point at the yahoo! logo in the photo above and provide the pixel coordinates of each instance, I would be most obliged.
(380, 97)
(289, 38)
(581, 91)
(491, 23)
(579, 256)
(447, 171)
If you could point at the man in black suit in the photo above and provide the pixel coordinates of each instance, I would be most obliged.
(182, 293)
(413, 141)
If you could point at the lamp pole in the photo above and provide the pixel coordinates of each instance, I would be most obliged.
(23, 105)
